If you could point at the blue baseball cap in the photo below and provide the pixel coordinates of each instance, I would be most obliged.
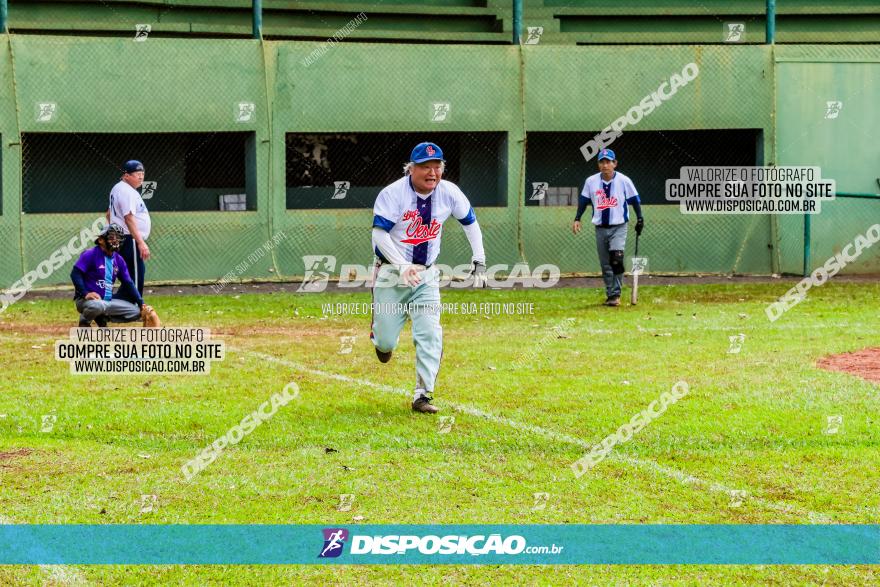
(607, 154)
(426, 152)
(132, 166)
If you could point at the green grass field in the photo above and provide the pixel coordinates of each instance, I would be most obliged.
(754, 421)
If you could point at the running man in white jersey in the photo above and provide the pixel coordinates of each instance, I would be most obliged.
(407, 226)
(609, 192)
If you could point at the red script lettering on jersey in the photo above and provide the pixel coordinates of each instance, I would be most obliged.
(603, 201)
(417, 232)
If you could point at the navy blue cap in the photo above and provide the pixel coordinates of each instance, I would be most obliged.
(607, 154)
(426, 152)
(132, 166)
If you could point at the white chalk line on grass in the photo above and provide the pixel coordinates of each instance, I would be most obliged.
(741, 326)
(57, 573)
(657, 468)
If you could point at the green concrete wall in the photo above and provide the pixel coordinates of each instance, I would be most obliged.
(165, 85)
(846, 147)
(11, 262)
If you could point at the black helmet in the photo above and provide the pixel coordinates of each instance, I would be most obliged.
(108, 232)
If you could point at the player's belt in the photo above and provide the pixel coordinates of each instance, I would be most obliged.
(609, 225)
(423, 267)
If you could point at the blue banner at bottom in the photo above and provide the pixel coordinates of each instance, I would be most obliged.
(440, 544)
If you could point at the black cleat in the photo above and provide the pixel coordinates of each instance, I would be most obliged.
(423, 405)
(613, 301)
(383, 356)
(85, 323)
(101, 322)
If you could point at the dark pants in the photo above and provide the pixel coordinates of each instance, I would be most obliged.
(135, 265)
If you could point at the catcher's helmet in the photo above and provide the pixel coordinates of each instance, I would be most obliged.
(108, 233)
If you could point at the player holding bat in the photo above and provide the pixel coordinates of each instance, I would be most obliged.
(609, 192)
(407, 222)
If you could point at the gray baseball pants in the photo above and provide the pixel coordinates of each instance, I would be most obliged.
(115, 310)
(610, 239)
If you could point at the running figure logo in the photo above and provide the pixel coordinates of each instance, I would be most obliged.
(334, 541)
(318, 269)
(534, 35)
(736, 343)
(46, 111)
(141, 32)
(440, 112)
(341, 189)
(832, 108)
(539, 190)
(833, 424)
(639, 265)
(346, 344)
(48, 422)
(149, 188)
(245, 112)
(735, 31)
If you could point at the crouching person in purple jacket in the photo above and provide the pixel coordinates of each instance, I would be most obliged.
(93, 277)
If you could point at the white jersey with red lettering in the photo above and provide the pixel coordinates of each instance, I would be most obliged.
(415, 221)
(609, 198)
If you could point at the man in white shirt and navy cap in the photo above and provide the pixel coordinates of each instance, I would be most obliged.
(127, 209)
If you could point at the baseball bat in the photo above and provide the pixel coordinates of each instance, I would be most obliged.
(634, 295)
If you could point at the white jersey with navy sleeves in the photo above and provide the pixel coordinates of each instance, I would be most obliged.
(610, 205)
(415, 221)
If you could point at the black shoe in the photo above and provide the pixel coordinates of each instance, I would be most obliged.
(423, 405)
(101, 322)
(383, 356)
(85, 323)
(613, 301)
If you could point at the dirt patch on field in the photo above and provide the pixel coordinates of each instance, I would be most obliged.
(864, 363)
(60, 330)
(14, 453)
(296, 329)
